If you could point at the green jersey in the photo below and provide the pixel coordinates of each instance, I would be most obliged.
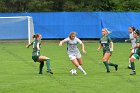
(105, 42)
(138, 49)
(36, 52)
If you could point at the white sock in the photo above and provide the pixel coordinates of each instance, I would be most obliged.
(82, 70)
(129, 63)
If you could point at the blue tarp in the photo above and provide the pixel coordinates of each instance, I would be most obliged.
(86, 24)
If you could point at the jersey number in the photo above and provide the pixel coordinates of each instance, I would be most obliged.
(33, 44)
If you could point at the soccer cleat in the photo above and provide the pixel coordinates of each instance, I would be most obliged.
(133, 73)
(85, 73)
(40, 73)
(108, 71)
(129, 67)
(116, 67)
(50, 72)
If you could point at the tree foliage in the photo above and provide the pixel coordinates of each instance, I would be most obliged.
(68, 5)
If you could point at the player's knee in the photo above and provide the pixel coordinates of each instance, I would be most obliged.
(76, 64)
(48, 59)
(132, 59)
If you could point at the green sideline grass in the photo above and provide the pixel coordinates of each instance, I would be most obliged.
(19, 74)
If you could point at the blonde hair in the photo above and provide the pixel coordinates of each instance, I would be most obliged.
(72, 33)
(108, 32)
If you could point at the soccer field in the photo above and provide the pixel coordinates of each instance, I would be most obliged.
(19, 74)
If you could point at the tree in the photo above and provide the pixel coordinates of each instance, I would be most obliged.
(68, 5)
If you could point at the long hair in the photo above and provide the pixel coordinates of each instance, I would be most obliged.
(137, 32)
(108, 32)
(133, 28)
(35, 36)
(72, 33)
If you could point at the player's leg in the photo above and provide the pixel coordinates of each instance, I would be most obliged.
(44, 58)
(105, 60)
(133, 57)
(35, 58)
(79, 58)
(80, 63)
(129, 63)
(76, 63)
(41, 67)
(112, 64)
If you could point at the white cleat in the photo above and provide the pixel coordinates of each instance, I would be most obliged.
(85, 73)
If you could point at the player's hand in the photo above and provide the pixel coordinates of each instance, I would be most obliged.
(131, 48)
(98, 49)
(60, 44)
(125, 40)
(111, 50)
(27, 46)
(84, 51)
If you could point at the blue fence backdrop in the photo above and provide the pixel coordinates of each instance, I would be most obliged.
(86, 24)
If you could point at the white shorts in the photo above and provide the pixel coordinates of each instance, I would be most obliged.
(74, 56)
(133, 51)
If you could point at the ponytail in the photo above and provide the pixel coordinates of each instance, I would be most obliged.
(35, 36)
(133, 28)
(137, 32)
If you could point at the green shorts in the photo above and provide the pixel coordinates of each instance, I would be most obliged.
(35, 58)
(135, 56)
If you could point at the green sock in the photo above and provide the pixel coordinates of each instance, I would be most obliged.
(41, 66)
(106, 65)
(48, 65)
(111, 64)
(133, 66)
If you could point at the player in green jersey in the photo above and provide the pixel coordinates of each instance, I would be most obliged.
(36, 54)
(136, 55)
(107, 45)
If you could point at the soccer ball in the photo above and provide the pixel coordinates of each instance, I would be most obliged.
(73, 72)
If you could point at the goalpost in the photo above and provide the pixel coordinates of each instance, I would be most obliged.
(16, 28)
(30, 29)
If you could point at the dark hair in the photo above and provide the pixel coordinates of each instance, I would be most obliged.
(137, 32)
(35, 36)
(133, 28)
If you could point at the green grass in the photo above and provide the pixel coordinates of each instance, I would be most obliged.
(19, 74)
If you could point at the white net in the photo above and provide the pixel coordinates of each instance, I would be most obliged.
(18, 27)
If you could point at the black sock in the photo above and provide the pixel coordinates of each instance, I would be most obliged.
(41, 67)
(111, 64)
(107, 66)
(133, 66)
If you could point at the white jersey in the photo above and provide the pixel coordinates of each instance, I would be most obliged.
(72, 45)
(133, 41)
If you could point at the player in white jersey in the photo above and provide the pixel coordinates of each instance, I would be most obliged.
(131, 30)
(73, 51)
